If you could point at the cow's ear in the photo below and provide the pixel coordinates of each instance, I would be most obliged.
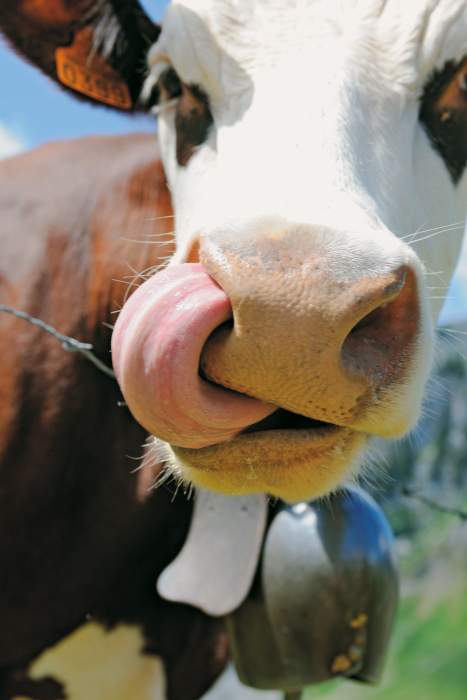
(96, 48)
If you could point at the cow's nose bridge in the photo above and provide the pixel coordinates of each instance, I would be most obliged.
(310, 334)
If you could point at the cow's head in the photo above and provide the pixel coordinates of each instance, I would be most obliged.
(313, 149)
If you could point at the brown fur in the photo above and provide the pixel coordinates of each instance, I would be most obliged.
(81, 535)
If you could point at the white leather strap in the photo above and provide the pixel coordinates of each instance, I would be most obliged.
(215, 568)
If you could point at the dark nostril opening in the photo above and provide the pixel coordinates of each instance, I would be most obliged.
(226, 326)
(380, 343)
(374, 317)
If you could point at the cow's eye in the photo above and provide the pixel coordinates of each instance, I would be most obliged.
(443, 113)
(193, 120)
(169, 84)
(162, 87)
(193, 116)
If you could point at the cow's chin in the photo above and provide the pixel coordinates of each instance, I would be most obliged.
(292, 464)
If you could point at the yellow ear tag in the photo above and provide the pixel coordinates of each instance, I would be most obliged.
(90, 74)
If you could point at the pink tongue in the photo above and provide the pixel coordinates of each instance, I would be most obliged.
(156, 347)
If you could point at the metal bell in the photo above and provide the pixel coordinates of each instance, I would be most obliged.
(324, 599)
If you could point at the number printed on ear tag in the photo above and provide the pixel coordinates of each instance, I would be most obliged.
(215, 568)
(87, 72)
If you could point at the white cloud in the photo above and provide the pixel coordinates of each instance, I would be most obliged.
(10, 143)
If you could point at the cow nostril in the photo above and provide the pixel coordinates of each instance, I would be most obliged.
(374, 317)
(380, 343)
(224, 328)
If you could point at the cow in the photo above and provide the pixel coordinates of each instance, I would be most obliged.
(315, 157)
(84, 533)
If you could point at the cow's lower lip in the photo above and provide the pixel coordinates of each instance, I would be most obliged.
(291, 463)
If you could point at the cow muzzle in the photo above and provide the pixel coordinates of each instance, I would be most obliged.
(266, 366)
(319, 328)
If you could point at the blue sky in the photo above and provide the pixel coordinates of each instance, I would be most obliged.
(33, 110)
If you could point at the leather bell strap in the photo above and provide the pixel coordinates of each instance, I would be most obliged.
(214, 570)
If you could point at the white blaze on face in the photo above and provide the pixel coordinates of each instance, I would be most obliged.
(93, 663)
(316, 116)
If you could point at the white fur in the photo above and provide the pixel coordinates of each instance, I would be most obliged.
(94, 663)
(315, 106)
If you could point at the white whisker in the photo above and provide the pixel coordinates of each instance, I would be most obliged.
(453, 331)
(143, 242)
(160, 234)
(415, 241)
(451, 342)
(421, 231)
(159, 218)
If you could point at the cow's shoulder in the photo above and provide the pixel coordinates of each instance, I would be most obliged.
(84, 534)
